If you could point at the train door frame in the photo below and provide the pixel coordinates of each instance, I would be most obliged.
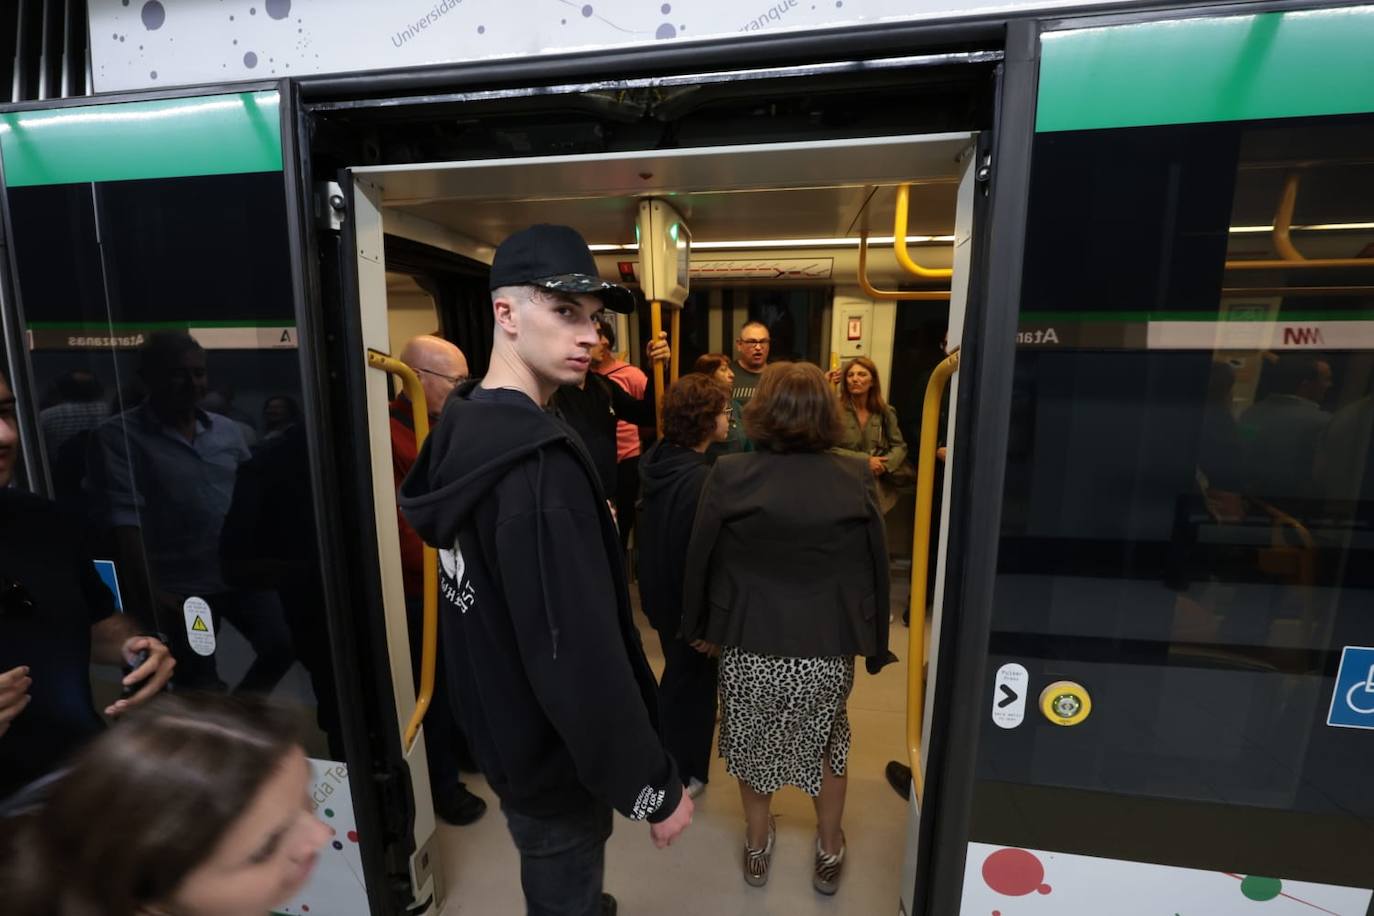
(989, 158)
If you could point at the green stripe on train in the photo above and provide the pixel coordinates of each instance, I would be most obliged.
(166, 138)
(1189, 71)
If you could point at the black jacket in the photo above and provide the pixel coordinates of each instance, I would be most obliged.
(545, 664)
(671, 477)
(789, 557)
(593, 410)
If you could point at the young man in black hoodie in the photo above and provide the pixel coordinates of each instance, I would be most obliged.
(546, 665)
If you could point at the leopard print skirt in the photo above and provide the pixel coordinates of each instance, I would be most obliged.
(780, 716)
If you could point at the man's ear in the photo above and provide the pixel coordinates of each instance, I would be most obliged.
(503, 311)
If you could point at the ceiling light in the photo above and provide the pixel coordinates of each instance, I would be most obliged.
(751, 244)
(1315, 227)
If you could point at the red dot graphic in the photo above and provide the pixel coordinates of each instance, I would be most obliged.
(353, 836)
(1014, 872)
(1043, 889)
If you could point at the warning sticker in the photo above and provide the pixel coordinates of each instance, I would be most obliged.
(200, 629)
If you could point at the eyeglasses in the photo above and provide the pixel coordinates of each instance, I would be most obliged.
(451, 379)
(745, 342)
(14, 597)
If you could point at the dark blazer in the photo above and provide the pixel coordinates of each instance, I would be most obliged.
(789, 557)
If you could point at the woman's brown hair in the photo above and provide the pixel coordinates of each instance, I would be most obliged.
(793, 410)
(874, 397)
(142, 806)
(691, 407)
(710, 363)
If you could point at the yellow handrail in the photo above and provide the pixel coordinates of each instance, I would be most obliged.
(889, 295)
(899, 225)
(1289, 256)
(429, 641)
(676, 343)
(655, 329)
(920, 563)
(1283, 220)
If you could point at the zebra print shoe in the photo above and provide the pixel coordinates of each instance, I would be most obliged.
(826, 877)
(756, 860)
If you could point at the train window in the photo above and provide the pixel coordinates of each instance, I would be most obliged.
(163, 349)
(1190, 490)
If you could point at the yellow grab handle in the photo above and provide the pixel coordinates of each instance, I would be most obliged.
(890, 295)
(920, 563)
(899, 223)
(675, 341)
(429, 640)
(655, 329)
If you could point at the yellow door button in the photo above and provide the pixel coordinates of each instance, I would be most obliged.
(1065, 703)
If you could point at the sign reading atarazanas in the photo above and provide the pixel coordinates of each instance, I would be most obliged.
(137, 44)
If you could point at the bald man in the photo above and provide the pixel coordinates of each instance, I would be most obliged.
(440, 366)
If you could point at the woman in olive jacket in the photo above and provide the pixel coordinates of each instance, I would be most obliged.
(870, 427)
(787, 573)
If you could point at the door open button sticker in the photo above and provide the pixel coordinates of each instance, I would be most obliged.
(1352, 700)
(1009, 696)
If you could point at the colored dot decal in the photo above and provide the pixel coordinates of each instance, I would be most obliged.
(328, 812)
(1257, 888)
(305, 908)
(666, 30)
(481, 30)
(250, 60)
(587, 10)
(666, 8)
(1015, 873)
(278, 9)
(352, 836)
(337, 845)
(152, 75)
(154, 15)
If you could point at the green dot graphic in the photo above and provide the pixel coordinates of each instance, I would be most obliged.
(329, 812)
(1257, 888)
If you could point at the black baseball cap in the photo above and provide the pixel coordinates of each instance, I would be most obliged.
(556, 258)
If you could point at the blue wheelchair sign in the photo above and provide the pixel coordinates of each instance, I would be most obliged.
(1352, 702)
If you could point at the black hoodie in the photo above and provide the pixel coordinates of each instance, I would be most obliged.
(671, 477)
(545, 664)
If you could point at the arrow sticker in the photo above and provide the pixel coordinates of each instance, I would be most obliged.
(1009, 696)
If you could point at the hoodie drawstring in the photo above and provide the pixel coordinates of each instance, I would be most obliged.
(539, 553)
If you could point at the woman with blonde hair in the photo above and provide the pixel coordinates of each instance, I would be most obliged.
(870, 427)
(787, 573)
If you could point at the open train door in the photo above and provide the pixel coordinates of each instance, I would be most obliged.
(159, 250)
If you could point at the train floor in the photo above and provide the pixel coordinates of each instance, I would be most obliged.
(701, 872)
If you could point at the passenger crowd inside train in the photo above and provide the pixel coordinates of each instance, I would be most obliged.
(753, 524)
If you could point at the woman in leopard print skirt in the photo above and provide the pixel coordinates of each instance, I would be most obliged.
(787, 573)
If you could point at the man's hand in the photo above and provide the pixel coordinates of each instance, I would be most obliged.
(705, 648)
(658, 349)
(14, 695)
(152, 675)
(833, 376)
(665, 832)
(877, 465)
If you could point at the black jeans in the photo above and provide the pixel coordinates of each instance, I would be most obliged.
(687, 706)
(562, 859)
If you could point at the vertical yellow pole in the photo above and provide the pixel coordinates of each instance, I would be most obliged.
(675, 341)
(655, 329)
(920, 563)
